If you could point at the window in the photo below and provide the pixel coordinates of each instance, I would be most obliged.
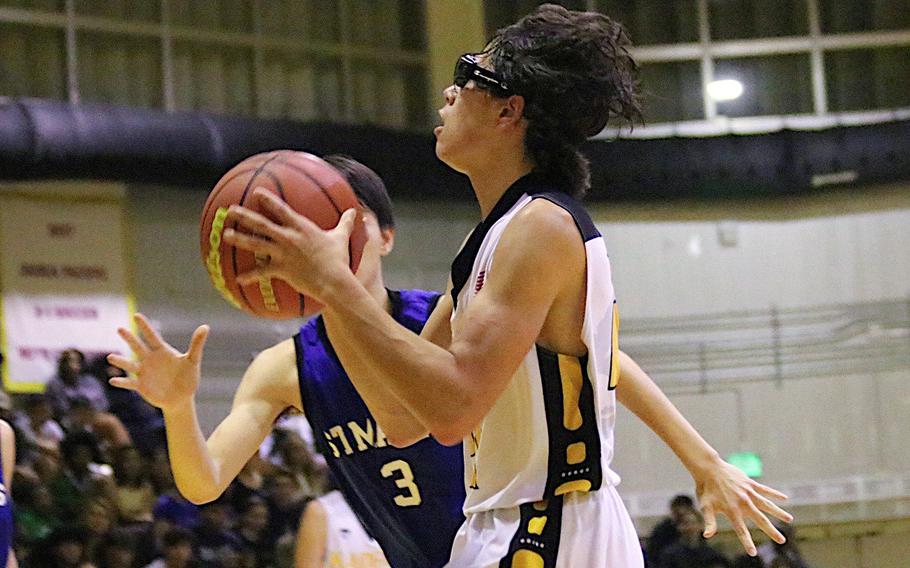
(672, 91)
(771, 85)
(868, 78)
(655, 21)
(128, 10)
(33, 62)
(119, 69)
(500, 13)
(741, 19)
(212, 77)
(844, 16)
(221, 15)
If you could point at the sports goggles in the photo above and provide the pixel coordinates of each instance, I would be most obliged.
(467, 69)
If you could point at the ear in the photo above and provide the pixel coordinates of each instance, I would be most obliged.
(512, 110)
(388, 240)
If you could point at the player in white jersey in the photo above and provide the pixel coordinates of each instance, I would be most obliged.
(520, 358)
(331, 536)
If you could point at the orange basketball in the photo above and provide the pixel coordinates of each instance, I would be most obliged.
(311, 187)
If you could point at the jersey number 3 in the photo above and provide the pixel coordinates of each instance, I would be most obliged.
(400, 470)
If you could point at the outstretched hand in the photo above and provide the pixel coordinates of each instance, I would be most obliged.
(726, 490)
(296, 249)
(163, 376)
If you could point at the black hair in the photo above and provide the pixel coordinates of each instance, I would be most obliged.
(177, 536)
(575, 72)
(61, 361)
(682, 501)
(78, 439)
(367, 185)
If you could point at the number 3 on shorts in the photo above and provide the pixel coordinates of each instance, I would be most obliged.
(405, 481)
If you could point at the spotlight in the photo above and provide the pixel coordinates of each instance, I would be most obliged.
(725, 89)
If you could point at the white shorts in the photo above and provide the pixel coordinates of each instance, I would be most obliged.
(579, 530)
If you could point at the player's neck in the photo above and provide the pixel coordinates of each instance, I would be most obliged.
(491, 182)
(378, 291)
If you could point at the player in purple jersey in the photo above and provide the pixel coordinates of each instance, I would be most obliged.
(382, 483)
(8, 455)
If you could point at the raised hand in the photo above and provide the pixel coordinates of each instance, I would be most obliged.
(163, 376)
(726, 490)
(298, 251)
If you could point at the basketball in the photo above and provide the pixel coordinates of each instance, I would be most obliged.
(308, 185)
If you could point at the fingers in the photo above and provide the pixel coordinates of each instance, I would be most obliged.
(197, 344)
(134, 342)
(762, 522)
(769, 492)
(151, 337)
(742, 532)
(125, 383)
(279, 210)
(710, 521)
(251, 243)
(771, 508)
(346, 222)
(255, 275)
(127, 365)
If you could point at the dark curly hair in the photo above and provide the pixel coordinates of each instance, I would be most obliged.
(575, 73)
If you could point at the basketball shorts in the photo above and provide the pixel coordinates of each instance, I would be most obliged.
(578, 530)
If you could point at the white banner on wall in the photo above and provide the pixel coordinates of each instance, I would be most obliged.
(64, 280)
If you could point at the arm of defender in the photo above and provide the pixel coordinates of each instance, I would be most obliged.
(8, 441)
(168, 379)
(399, 425)
(310, 549)
(721, 487)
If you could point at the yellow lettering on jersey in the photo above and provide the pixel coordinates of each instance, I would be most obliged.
(338, 432)
(381, 440)
(332, 445)
(614, 358)
(361, 436)
(406, 482)
(475, 445)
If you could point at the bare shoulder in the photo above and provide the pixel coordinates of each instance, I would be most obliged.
(7, 436)
(272, 376)
(543, 222)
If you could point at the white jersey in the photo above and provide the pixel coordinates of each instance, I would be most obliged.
(551, 432)
(347, 543)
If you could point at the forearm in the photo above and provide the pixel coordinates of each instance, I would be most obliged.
(637, 392)
(195, 471)
(403, 369)
(398, 423)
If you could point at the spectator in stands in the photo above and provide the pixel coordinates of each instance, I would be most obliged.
(286, 503)
(97, 519)
(134, 495)
(63, 548)
(105, 426)
(213, 535)
(36, 423)
(144, 422)
(258, 546)
(73, 380)
(178, 550)
(170, 506)
(298, 459)
(35, 514)
(248, 484)
(83, 474)
(666, 532)
(746, 561)
(787, 554)
(691, 550)
(116, 550)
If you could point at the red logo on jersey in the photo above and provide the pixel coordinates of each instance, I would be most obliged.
(479, 284)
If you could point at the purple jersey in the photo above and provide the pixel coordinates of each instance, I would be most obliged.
(408, 499)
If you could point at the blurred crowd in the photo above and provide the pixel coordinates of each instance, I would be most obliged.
(678, 542)
(93, 487)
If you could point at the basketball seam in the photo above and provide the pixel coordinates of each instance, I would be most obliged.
(246, 190)
(319, 185)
